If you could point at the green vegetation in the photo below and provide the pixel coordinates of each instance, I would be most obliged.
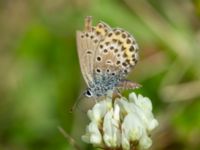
(40, 77)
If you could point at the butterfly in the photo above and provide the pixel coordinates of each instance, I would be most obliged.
(106, 56)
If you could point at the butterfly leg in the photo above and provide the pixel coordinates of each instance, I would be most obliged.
(75, 105)
(116, 94)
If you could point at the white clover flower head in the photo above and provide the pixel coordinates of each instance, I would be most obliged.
(122, 124)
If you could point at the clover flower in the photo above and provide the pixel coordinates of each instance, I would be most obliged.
(124, 124)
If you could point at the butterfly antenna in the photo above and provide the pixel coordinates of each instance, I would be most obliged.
(69, 138)
(88, 23)
(76, 103)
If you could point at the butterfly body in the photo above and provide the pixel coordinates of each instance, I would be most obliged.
(106, 56)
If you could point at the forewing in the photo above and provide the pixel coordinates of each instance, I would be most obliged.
(87, 43)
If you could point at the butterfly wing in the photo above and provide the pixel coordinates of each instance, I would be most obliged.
(86, 53)
(87, 43)
(116, 54)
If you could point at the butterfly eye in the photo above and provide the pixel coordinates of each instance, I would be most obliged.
(88, 93)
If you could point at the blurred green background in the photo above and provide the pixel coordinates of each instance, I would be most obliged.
(40, 78)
